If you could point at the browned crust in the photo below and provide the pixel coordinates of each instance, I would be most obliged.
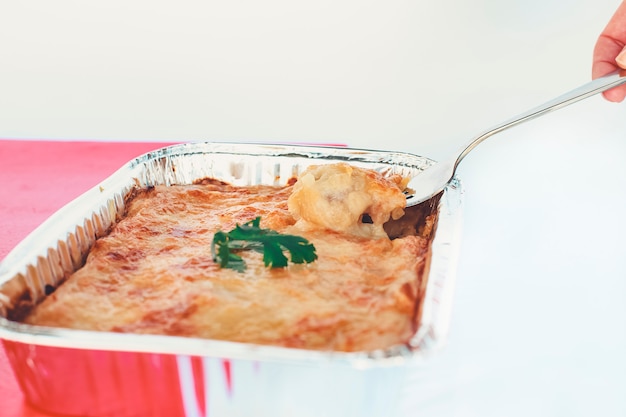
(121, 290)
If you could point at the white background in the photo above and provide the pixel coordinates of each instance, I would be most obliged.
(539, 323)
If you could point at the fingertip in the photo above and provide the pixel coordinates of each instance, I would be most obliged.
(614, 95)
(620, 59)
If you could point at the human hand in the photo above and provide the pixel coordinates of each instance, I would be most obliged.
(609, 53)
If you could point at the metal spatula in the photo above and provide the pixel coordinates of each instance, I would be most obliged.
(434, 179)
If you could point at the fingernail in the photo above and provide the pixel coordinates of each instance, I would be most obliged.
(621, 59)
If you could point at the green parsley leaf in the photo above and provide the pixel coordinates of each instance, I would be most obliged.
(250, 236)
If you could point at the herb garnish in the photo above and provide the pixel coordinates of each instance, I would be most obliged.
(249, 236)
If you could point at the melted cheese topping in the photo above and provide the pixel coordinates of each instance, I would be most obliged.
(154, 274)
(337, 197)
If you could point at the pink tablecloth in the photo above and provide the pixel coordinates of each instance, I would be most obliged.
(37, 178)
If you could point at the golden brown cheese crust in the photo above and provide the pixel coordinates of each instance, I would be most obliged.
(154, 274)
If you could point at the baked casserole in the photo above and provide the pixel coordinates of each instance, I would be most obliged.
(156, 271)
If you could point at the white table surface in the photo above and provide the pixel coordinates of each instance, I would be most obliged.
(539, 323)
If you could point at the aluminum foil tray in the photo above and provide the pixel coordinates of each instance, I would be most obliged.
(85, 373)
